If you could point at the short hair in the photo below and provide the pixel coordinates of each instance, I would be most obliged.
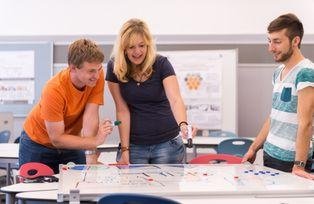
(290, 22)
(84, 50)
(122, 66)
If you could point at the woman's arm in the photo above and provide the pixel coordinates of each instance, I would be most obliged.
(122, 114)
(176, 102)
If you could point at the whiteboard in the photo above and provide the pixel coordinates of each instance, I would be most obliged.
(25, 68)
(208, 85)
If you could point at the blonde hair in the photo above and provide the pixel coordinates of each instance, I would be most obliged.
(122, 65)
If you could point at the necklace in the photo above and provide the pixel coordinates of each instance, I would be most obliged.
(138, 83)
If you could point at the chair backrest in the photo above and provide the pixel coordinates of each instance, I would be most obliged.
(34, 169)
(222, 133)
(216, 158)
(130, 198)
(5, 136)
(236, 146)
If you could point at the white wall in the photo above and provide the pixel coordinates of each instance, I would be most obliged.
(98, 17)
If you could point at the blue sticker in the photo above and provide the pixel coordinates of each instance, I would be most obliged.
(78, 167)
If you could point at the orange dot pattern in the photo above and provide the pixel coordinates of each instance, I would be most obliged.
(193, 81)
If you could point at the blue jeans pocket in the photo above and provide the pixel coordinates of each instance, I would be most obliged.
(286, 94)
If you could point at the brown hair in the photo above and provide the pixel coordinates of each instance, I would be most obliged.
(84, 50)
(291, 23)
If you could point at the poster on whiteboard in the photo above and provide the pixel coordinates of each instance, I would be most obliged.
(200, 77)
(17, 73)
(17, 64)
(25, 67)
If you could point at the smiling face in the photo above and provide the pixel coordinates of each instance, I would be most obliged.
(136, 50)
(86, 75)
(281, 46)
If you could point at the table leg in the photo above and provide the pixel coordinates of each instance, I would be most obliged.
(9, 198)
(8, 182)
(194, 151)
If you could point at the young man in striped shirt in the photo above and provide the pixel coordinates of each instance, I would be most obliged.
(286, 134)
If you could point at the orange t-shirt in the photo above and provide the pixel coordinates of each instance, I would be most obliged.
(61, 101)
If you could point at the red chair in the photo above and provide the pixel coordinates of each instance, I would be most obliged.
(216, 158)
(33, 170)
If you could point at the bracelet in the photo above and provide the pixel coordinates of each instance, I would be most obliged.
(90, 152)
(123, 149)
(183, 123)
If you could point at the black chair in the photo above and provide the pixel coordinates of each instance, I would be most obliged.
(130, 198)
(236, 146)
(5, 136)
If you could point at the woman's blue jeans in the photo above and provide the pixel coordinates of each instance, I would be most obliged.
(170, 152)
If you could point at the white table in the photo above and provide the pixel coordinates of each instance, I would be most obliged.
(11, 190)
(9, 154)
(173, 180)
(218, 183)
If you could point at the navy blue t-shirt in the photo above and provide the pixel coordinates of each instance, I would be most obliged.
(152, 120)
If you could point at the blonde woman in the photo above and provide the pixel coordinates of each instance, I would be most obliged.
(147, 98)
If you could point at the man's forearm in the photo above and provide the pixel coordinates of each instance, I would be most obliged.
(303, 141)
(261, 137)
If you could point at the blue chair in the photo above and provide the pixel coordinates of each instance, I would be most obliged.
(5, 136)
(222, 133)
(130, 198)
(236, 146)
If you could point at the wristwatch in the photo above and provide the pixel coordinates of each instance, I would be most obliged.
(299, 163)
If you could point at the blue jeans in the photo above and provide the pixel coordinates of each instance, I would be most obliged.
(170, 152)
(282, 165)
(33, 152)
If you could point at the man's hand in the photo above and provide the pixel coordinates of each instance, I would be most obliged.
(302, 173)
(249, 156)
(104, 129)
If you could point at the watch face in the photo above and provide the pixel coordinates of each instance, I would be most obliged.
(299, 163)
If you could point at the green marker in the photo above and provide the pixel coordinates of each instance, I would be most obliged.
(116, 123)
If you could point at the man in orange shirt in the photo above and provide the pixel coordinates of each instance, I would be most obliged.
(65, 122)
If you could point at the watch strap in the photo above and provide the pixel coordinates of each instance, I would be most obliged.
(299, 163)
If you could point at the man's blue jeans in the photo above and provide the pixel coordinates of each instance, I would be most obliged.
(170, 152)
(33, 152)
